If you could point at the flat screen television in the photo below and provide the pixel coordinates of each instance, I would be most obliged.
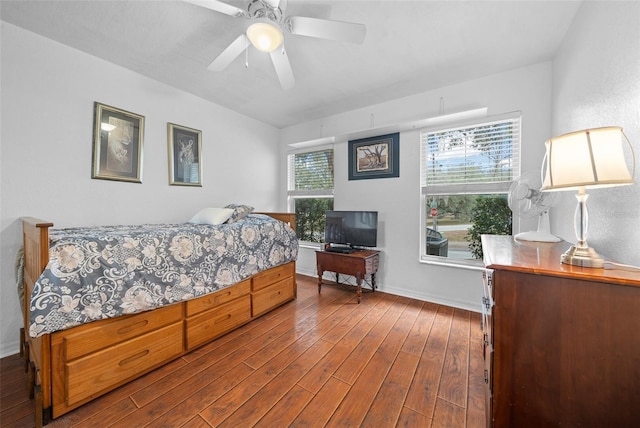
(350, 229)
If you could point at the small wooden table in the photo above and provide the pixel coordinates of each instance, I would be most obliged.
(359, 264)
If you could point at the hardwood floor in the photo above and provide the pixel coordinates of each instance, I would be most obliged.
(321, 360)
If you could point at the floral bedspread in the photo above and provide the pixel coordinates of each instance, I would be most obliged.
(103, 272)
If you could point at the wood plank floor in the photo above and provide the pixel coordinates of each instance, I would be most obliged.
(321, 360)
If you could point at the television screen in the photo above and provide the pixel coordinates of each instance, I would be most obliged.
(351, 228)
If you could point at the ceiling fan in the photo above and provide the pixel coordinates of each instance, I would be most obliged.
(265, 33)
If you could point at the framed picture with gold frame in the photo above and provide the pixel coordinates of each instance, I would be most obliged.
(117, 144)
(185, 149)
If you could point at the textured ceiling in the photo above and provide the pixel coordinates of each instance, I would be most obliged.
(410, 47)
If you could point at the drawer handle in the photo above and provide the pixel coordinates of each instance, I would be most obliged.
(273, 296)
(129, 328)
(134, 357)
(222, 319)
(274, 276)
(217, 299)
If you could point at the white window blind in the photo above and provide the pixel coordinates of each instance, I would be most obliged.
(478, 158)
(311, 173)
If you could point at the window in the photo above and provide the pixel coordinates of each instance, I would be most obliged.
(310, 191)
(466, 172)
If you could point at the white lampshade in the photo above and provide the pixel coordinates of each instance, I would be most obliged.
(265, 36)
(581, 160)
(588, 158)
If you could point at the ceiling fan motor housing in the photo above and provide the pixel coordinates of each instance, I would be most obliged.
(263, 9)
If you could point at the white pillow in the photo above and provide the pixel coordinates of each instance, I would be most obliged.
(212, 216)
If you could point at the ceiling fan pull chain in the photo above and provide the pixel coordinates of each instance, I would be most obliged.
(246, 55)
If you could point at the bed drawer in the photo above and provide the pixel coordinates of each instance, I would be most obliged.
(219, 297)
(273, 275)
(109, 367)
(91, 337)
(215, 322)
(272, 296)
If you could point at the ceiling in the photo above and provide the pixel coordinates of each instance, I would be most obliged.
(410, 47)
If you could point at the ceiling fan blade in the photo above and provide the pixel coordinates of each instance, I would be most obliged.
(219, 6)
(327, 29)
(282, 65)
(229, 54)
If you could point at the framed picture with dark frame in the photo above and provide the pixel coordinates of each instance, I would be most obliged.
(185, 147)
(117, 144)
(374, 157)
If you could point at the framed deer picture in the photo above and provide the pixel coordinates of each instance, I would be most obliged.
(185, 147)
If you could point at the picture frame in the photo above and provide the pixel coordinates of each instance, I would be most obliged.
(185, 149)
(374, 157)
(117, 144)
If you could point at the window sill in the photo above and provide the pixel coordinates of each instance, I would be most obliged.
(310, 245)
(429, 260)
(454, 263)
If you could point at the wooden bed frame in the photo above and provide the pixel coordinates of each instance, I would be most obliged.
(69, 368)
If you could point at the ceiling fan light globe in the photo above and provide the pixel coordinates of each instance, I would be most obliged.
(264, 36)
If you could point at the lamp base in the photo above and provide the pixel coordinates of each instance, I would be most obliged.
(585, 257)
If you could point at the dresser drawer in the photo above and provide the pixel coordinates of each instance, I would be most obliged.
(91, 337)
(264, 279)
(210, 301)
(215, 322)
(109, 367)
(272, 296)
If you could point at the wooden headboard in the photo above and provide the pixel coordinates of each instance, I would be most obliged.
(289, 218)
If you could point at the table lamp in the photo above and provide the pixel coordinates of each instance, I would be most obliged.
(590, 158)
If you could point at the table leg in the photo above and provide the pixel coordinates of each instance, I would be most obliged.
(373, 282)
(359, 285)
(320, 272)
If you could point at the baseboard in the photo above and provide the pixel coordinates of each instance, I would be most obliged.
(468, 306)
(10, 348)
(304, 272)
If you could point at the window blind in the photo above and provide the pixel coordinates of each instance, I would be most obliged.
(311, 173)
(479, 158)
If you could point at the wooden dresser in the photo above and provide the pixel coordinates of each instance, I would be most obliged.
(562, 343)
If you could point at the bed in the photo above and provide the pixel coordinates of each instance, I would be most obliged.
(126, 304)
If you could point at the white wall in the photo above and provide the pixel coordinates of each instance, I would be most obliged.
(48, 91)
(596, 82)
(398, 199)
